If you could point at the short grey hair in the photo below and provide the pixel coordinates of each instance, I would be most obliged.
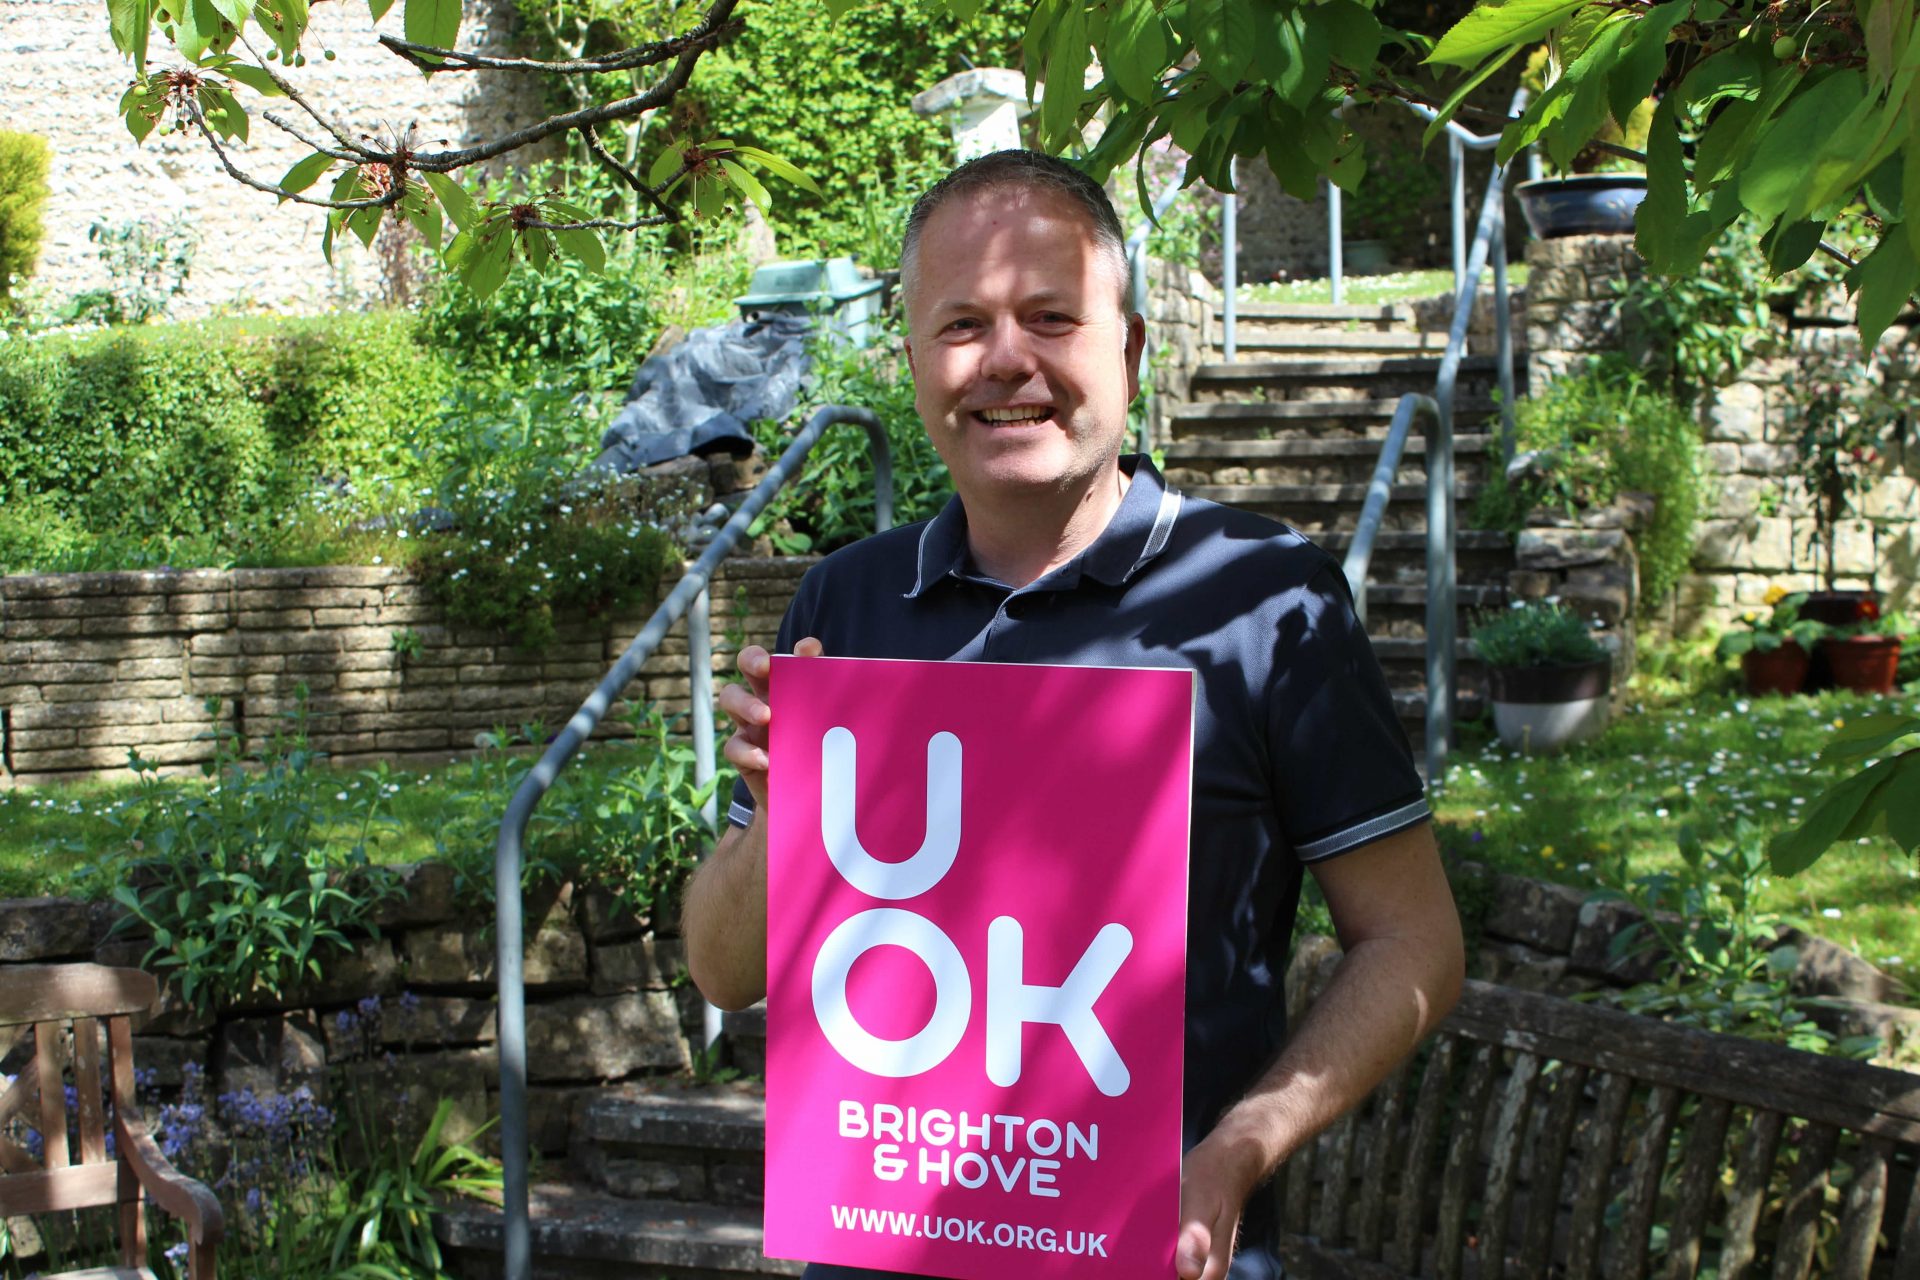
(1020, 170)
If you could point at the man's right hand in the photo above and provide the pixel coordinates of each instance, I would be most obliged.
(750, 710)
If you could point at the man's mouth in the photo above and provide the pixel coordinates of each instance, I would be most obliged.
(1014, 414)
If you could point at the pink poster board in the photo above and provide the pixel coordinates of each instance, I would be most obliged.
(977, 903)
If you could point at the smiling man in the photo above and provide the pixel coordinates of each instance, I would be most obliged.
(1058, 549)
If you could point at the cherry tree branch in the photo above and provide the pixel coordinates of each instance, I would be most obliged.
(429, 58)
(391, 198)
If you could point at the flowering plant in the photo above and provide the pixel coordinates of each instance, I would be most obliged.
(1843, 411)
(1780, 625)
(1874, 623)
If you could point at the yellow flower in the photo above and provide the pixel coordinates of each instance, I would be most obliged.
(1838, 723)
(1775, 594)
(1547, 852)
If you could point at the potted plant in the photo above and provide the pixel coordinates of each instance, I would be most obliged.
(1548, 677)
(1777, 647)
(1594, 191)
(1864, 656)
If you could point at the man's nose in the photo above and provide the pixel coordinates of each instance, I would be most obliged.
(1008, 353)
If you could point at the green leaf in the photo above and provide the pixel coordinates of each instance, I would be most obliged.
(132, 22)
(1643, 58)
(305, 172)
(1910, 179)
(423, 211)
(1459, 96)
(255, 78)
(1307, 60)
(1778, 168)
(1491, 28)
(284, 20)
(1665, 233)
(778, 168)
(1885, 281)
(491, 262)
(838, 9)
(140, 108)
(664, 164)
(1352, 32)
(585, 245)
(536, 246)
(1902, 800)
(378, 8)
(1789, 245)
(1792, 852)
(1136, 49)
(234, 11)
(197, 24)
(1034, 40)
(1714, 154)
(1586, 79)
(1067, 60)
(1869, 735)
(1223, 32)
(223, 114)
(749, 185)
(433, 22)
(454, 199)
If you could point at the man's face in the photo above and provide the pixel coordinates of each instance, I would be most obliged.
(1023, 361)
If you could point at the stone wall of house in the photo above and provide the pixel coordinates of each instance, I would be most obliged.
(92, 665)
(1759, 529)
(67, 78)
(605, 1002)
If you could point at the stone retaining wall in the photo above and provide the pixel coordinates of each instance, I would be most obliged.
(1759, 529)
(605, 1003)
(92, 665)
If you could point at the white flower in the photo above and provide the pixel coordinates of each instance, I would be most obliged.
(1831, 913)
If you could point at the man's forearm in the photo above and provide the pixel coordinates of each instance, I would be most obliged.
(725, 920)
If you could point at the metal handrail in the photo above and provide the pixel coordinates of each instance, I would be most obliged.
(508, 916)
(1380, 490)
(1136, 251)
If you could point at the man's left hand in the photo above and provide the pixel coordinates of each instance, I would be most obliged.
(1216, 1178)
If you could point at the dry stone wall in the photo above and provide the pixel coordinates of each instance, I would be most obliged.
(92, 665)
(1759, 529)
(409, 1014)
(67, 77)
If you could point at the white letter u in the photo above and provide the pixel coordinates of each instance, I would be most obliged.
(892, 881)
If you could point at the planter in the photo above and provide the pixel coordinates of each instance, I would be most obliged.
(1540, 710)
(1782, 670)
(1840, 608)
(1587, 204)
(1864, 664)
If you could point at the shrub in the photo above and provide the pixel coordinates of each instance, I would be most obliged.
(1535, 635)
(192, 444)
(831, 502)
(24, 161)
(1599, 433)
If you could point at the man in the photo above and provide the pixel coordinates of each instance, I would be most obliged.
(1056, 549)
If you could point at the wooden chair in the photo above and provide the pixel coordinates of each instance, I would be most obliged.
(66, 1006)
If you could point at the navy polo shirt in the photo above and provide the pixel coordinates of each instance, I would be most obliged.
(1298, 753)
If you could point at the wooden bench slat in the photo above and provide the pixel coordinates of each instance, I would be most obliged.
(1835, 1091)
(1510, 1127)
(1805, 1204)
(1750, 1179)
(1334, 1183)
(47, 1043)
(75, 1186)
(62, 992)
(1552, 1141)
(133, 1221)
(1463, 1150)
(1699, 1179)
(87, 1088)
(1383, 1140)
(1414, 1179)
(1866, 1206)
(1643, 1182)
(1598, 1155)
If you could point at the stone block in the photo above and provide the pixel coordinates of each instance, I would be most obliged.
(1892, 498)
(1591, 954)
(1762, 543)
(276, 1053)
(1737, 413)
(411, 740)
(606, 918)
(370, 968)
(400, 1092)
(449, 956)
(1553, 549)
(1769, 459)
(1539, 913)
(45, 928)
(1526, 584)
(425, 897)
(1607, 592)
(1829, 970)
(167, 1058)
(600, 1038)
(644, 963)
(1723, 459)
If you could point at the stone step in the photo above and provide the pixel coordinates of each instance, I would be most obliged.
(1317, 508)
(1257, 342)
(1233, 420)
(1320, 314)
(674, 1140)
(746, 1033)
(1367, 447)
(1337, 378)
(582, 1234)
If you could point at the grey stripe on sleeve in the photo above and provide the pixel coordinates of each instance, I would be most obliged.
(1371, 829)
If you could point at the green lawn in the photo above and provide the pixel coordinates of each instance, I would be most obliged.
(1398, 286)
(1712, 762)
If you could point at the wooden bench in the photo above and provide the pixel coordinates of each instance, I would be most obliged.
(69, 1011)
(1534, 1136)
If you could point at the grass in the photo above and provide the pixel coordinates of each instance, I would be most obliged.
(53, 838)
(1616, 806)
(1398, 286)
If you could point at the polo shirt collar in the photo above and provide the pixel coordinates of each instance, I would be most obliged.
(1137, 535)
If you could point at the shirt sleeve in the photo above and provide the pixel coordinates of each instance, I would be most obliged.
(1343, 771)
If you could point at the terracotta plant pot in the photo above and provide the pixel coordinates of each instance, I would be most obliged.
(1836, 609)
(1540, 710)
(1864, 664)
(1781, 670)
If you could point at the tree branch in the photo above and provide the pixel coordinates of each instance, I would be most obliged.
(391, 198)
(598, 224)
(644, 55)
(284, 127)
(620, 109)
(598, 151)
(339, 132)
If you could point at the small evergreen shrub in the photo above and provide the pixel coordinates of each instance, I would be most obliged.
(1535, 635)
(24, 161)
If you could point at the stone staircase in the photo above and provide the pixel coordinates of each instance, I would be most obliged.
(1292, 428)
(664, 1179)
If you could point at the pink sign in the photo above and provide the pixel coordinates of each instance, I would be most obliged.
(976, 940)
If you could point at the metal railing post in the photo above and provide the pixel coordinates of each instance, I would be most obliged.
(1503, 329)
(1230, 268)
(1336, 241)
(1457, 180)
(700, 694)
(509, 936)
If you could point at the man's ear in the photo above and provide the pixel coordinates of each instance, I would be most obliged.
(1136, 344)
(908, 344)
